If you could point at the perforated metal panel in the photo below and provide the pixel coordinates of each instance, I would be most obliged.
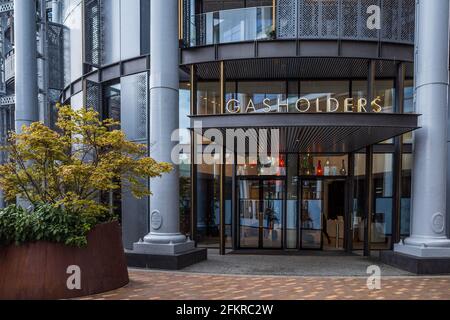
(55, 38)
(286, 15)
(93, 32)
(93, 97)
(142, 103)
(407, 20)
(309, 18)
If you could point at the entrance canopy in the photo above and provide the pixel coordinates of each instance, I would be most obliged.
(316, 132)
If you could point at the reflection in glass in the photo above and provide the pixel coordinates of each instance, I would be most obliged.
(405, 213)
(249, 213)
(311, 214)
(232, 25)
(292, 202)
(408, 106)
(359, 196)
(208, 206)
(208, 98)
(381, 231)
(261, 213)
(262, 96)
(323, 90)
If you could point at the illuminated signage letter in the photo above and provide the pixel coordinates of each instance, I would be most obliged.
(375, 106)
(336, 105)
(267, 106)
(235, 104)
(348, 103)
(362, 104)
(250, 105)
(298, 105)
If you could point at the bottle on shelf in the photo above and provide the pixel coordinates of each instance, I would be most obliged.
(319, 168)
(343, 170)
(327, 168)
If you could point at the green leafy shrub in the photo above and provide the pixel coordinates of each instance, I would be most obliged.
(45, 223)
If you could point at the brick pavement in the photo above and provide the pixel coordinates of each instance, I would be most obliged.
(158, 285)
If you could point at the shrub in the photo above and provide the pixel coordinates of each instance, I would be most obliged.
(45, 223)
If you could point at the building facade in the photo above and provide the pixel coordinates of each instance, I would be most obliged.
(331, 84)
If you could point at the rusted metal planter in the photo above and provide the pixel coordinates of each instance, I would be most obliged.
(38, 271)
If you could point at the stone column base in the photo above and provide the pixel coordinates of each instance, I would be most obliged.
(163, 248)
(423, 251)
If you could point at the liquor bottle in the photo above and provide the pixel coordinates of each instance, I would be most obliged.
(305, 169)
(326, 169)
(319, 168)
(343, 170)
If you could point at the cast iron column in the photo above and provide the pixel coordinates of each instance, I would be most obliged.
(26, 88)
(428, 216)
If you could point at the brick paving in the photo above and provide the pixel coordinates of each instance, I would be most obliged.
(158, 285)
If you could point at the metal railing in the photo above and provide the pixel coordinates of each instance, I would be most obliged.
(306, 19)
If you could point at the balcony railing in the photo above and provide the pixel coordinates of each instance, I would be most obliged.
(306, 19)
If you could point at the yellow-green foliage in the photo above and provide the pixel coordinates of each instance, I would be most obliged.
(72, 165)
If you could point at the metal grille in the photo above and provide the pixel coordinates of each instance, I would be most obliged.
(286, 14)
(329, 19)
(390, 20)
(407, 20)
(93, 96)
(93, 32)
(309, 19)
(364, 33)
(55, 38)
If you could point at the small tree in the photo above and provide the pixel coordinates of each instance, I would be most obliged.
(71, 166)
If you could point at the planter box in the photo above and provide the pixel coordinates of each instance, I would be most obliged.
(38, 271)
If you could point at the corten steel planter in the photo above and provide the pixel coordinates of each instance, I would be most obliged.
(38, 271)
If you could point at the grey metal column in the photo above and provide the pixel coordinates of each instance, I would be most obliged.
(428, 216)
(26, 63)
(164, 237)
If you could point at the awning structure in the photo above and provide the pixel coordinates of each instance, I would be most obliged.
(317, 132)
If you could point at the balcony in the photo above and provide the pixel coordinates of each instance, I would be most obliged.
(305, 20)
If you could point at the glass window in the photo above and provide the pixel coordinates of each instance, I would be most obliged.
(272, 166)
(208, 205)
(292, 202)
(383, 195)
(208, 98)
(111, 31)
(111, 106)
(130, 31)
(261, 97)
(145, 27)
(185, 167)
(408, 106)
(323, 91)
(359, 198)
(72, 12)
(384, 89)
(405, 213)
(323, 165)
(134, 99)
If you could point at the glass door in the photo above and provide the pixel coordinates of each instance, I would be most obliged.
(249, 213)
(312, 214)
(261, 207)
(272, 213)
